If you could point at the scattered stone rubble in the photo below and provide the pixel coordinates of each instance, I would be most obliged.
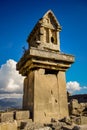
(76, 108)
(20, 120)
(14, 119)
(64, 124)
(78, 112)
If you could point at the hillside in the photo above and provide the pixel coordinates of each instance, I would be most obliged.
(10, 103)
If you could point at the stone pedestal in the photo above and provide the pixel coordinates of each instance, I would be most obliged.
(45, 84)
(45, 95)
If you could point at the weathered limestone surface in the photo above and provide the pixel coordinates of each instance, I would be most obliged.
(83, 120)
(8, 126)
(13, 120)
(20, 115)
(46, 103)
(43, 59)
(62, 94)
(55, 124)
(28, 98)
(76, 108)
(44, 67)
(21, 123)
(7, 116)
(78, 112)
(46, 31)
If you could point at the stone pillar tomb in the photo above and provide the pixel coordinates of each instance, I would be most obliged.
(44, 66)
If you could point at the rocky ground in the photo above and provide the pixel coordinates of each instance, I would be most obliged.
(55, 126)
(64, 124)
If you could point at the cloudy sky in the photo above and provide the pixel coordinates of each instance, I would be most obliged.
(17, 19)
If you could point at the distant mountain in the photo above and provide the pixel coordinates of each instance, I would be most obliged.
(10, 103)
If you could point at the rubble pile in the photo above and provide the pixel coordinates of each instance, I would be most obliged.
(78, 112)
(64, 124)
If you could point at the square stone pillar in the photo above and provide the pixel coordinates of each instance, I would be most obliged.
(45, 95)
(62, 94)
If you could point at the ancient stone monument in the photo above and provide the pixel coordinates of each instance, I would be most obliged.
(44, 66)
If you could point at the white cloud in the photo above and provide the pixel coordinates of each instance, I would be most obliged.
(10, 80)
(73, 86)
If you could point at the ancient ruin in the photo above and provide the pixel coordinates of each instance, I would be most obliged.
(44, 66)
(45, 105)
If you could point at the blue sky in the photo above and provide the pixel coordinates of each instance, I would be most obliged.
(18, 17)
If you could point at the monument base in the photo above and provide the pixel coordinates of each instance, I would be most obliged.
(45, 95)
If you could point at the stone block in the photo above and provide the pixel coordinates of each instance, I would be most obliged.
(20, 115)
(8, 126)
(83, 120)
(7, 116)
(75, 108)
(3, 126)
(12, 126)
(21, 122)
(75, 103)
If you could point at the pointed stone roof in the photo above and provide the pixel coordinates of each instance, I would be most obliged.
(40, 23)
(49, 12)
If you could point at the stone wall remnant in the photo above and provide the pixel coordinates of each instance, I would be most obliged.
(6, 116)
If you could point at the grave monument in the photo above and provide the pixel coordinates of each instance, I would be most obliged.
(44, 67)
